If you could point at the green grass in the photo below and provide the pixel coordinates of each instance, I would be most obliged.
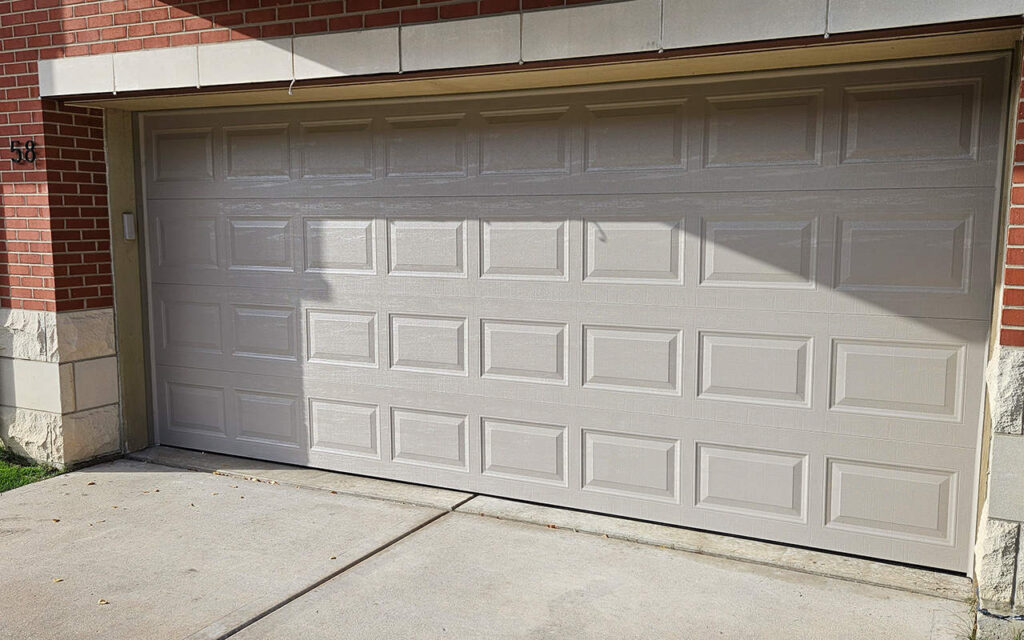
(16, 472)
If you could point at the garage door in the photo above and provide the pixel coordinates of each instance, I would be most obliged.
(756, 305)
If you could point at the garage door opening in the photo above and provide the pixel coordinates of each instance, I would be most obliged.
(756, 305)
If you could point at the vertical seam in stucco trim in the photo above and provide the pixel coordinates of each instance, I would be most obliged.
(828, 11)
(400, 58)
(661, 28)
(291, 51)
(521, 19)
(199, 81)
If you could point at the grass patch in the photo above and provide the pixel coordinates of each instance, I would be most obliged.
(16, 472)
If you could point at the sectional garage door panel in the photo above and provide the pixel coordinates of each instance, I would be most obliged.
(758, 306)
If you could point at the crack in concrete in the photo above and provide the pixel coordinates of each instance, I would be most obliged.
(202, 634)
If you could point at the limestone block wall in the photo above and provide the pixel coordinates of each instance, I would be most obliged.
(999, 557)
(59, 397)
(998, 550)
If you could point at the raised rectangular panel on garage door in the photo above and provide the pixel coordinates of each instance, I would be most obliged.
(428, 343)
(755, 367)
(524, 450)
(633, 251)
(886, 377)
(186, 241)
(525, 141)
(756, 305)
(912, 254)
(758, 482)
(772, 252)
(529, 351)
(342, 337)
(912, 121)
(631, 465)
(350, 428)
(340, 246)
(764, 129)
(429, 438)
(891, 500)
(427, 247)
(524, 249)
(182, 155)
(341, 149)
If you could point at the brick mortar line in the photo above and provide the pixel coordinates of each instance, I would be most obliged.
(276, 22)
(309, 18)
(157, 7)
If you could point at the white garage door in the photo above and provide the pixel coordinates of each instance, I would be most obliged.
(756, 305)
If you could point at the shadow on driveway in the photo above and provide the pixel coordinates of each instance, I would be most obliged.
(181, 554)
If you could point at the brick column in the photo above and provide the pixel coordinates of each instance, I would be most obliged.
(58, 369)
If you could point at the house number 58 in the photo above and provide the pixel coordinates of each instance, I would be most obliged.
(23, 154)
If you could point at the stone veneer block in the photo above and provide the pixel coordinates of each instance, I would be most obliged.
(996, 559)
(85, 334)
(1005, 489)
(348, 53)
(56, 337)
(29, 335)
(95, 383)
(90, 434)
(61, 440)
(32, 434)
(592, 30)
(461, 43)
(1005, 401)
(55, 368)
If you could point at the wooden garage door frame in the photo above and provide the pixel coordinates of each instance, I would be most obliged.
(703, 79)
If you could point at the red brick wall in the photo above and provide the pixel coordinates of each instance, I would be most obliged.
(1012, 317)
(55, 238)
(59, 28)
(55, 242)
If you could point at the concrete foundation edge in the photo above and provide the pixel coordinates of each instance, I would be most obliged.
(929, 583)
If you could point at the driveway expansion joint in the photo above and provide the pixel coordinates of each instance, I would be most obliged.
(324, 580)
(808, 561)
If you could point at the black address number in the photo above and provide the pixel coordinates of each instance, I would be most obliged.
(23, 153)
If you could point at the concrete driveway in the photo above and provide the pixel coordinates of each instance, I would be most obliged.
(137, 550)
